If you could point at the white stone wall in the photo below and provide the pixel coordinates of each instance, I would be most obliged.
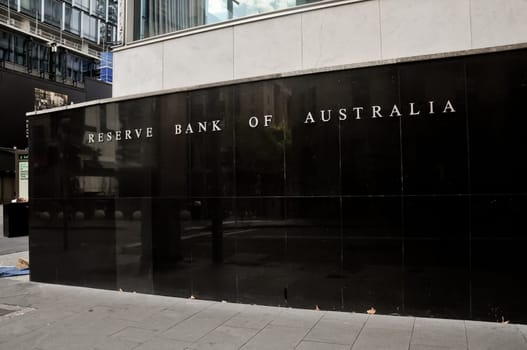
(353, 33)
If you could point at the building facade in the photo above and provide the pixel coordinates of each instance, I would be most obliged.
(319, 36)
(337, 154)
(50, 54)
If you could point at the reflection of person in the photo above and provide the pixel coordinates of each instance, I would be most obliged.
(196, 210)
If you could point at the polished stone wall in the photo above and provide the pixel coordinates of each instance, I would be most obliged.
(399, 187)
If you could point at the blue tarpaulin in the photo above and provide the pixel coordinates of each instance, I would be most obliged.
(8, 271)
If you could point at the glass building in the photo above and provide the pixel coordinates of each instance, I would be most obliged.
(61, 40)
(94, 20)
(50, 54)
(156, 17)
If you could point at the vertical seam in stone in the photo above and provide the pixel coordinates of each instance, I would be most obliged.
(341, 193)
(469, 187)
(380, 30)
(402, 232)
(163, 65)
(302, 41)
(470, 23)
(233, 52)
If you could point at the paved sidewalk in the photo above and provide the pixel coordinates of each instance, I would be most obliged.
(62, 317)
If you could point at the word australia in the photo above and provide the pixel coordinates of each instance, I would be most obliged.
(374, 112)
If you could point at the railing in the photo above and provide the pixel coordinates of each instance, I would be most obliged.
(64, 42)
(10, 21)
(45, 34)
(39, 73)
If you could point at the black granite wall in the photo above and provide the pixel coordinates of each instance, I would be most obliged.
(417, 208)
(17, 94)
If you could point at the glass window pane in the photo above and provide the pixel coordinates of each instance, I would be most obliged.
(89, 27)
(53, 12)
(156, 17)
(100, 8)
(72, 21)
(12, 3)
(112, 11)
(30, 7)
(83, 4)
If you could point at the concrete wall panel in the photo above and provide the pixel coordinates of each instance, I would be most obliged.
(341, 35)
(138, 71)
(498, 22)
(267, 47)
(421, 27)
(198, 59)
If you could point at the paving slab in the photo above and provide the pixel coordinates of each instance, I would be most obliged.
(168, 318)
(305, 319)
(135, 334)
(225, 338)
(431, 347)
(343, 331)
(200, 324)
(12, 259)
(523, 330)
(430, 332)
(502, 336)
(164, 344)
(311, 345)
(254, 317)
(385, 332)
(274, 337)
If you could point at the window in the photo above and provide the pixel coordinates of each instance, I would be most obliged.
(53, 12)
(112, 11)
(156, 17)
(90, 28)
(83, 4)
(30, 7)
(100, 8)
(72, 21)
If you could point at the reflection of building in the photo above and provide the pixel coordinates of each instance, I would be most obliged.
(51, 48)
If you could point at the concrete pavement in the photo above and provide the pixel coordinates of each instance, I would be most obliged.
(45, 316)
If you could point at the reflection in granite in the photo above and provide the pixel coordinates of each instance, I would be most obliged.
(400, 187)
